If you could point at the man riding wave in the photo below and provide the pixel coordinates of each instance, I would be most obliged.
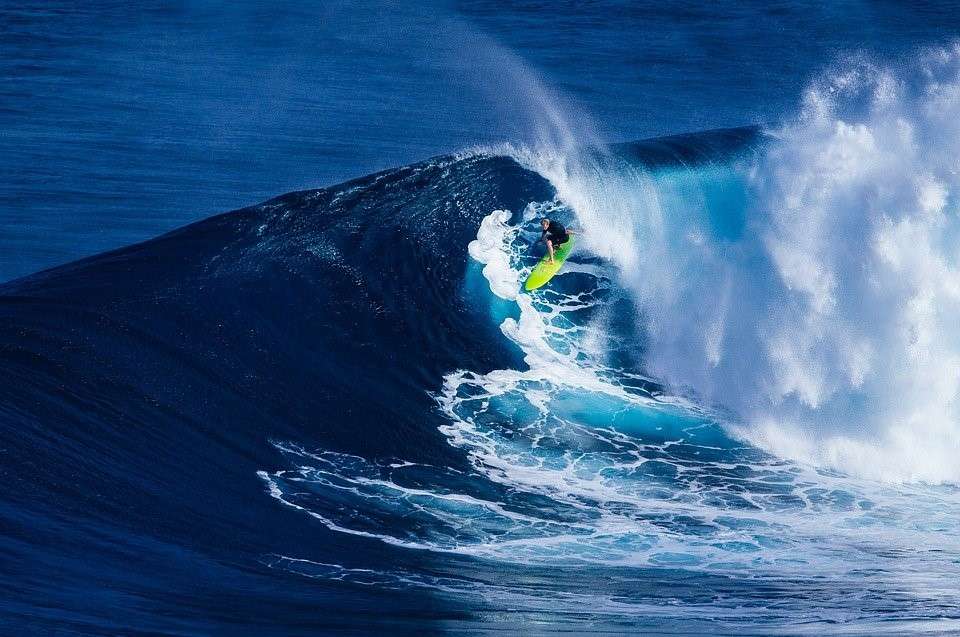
(554, 235)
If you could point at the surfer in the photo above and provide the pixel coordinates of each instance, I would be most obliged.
(554, 235)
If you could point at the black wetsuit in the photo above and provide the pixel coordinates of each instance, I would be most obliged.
(556, 233)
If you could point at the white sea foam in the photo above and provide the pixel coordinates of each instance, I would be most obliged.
(601, 463)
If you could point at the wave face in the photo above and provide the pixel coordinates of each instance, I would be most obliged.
(141, 390)
(334, 410)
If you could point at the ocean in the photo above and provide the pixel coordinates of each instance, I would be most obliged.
(332, 410)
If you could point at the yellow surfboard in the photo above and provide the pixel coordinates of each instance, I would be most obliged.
(545, 270)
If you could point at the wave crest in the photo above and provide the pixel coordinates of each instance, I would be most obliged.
(807, 281)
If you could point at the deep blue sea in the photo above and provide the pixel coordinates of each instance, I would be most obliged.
(333, 410)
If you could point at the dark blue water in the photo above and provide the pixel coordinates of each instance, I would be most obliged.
(333, 413)
(118, 122)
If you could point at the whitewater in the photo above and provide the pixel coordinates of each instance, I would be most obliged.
(817, 303)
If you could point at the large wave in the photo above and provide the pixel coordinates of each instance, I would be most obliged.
(580, 462)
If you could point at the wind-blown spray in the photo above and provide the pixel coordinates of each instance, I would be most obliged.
(811, 287)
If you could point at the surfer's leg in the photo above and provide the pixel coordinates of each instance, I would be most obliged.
(550, 249)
